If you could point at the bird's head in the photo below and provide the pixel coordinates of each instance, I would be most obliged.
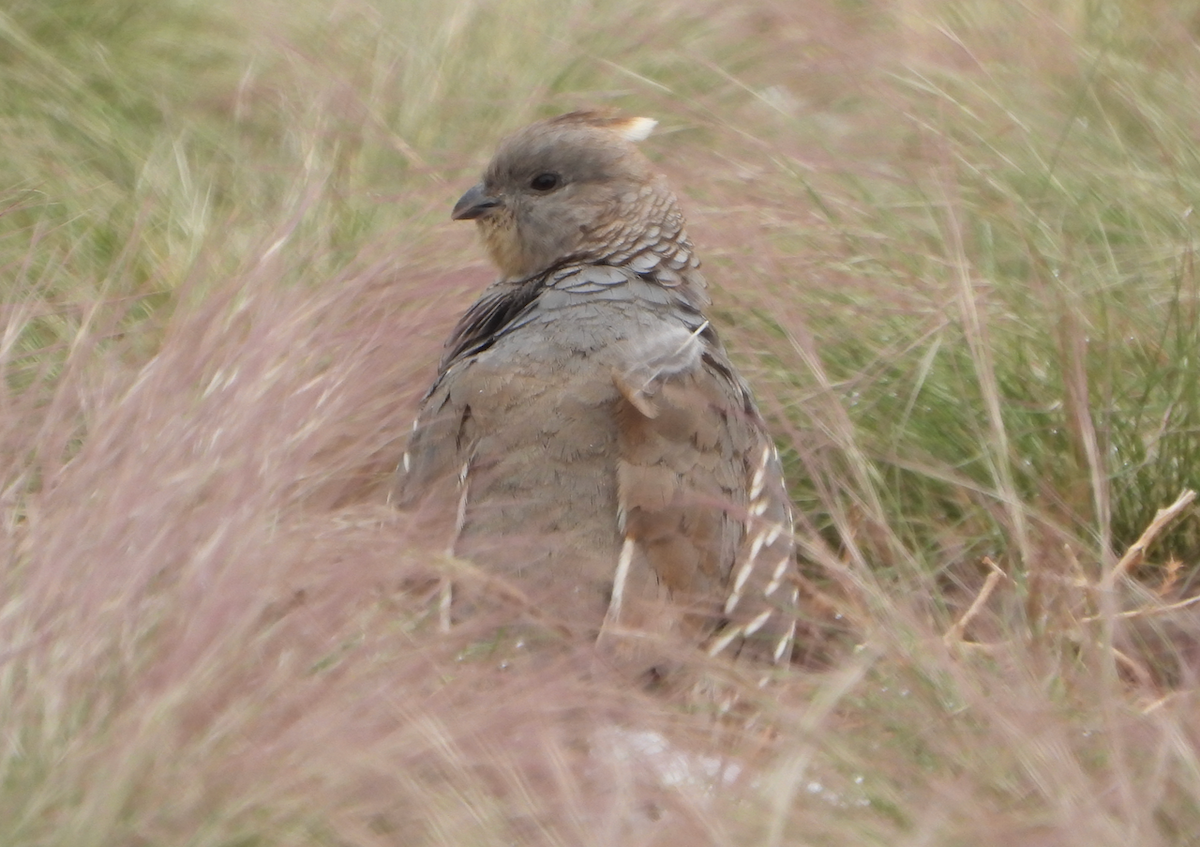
(573, 187)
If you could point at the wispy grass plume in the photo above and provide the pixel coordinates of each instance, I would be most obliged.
(951, 243)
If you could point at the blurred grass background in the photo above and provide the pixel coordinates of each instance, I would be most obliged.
(951, 243)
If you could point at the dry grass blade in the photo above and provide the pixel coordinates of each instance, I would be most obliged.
(1133, 556)
(954, 635)
(1148, 611)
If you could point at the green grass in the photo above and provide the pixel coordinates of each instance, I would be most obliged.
(951, 244)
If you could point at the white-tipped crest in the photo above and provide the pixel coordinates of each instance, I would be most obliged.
(636, 129)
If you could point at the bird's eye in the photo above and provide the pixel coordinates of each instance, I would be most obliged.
(544, 182)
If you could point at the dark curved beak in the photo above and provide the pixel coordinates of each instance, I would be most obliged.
(474, 204)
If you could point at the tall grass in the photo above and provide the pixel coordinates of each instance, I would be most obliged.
(951, 245)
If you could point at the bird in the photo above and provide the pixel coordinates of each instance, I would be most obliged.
(586, 436)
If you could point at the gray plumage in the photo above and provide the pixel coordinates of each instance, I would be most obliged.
(586, 418)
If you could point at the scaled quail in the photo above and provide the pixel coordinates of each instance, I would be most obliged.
(586, 436)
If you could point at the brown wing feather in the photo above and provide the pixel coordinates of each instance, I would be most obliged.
(701, 492)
